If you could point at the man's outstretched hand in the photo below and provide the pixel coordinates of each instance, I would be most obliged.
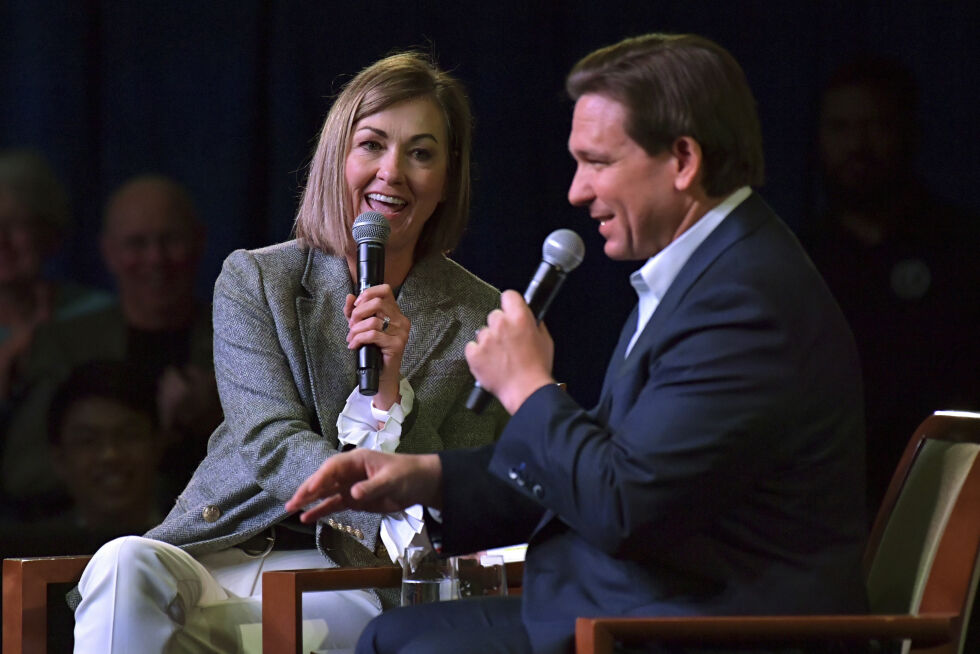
(366, 480)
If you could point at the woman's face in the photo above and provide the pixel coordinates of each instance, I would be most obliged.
(396, 165)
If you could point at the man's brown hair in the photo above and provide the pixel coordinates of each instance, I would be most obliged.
(675, 85)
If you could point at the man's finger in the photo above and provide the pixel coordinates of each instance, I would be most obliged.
(320, 484)
(367, 490)
(330, 505)
(301, 497)
(511, 301)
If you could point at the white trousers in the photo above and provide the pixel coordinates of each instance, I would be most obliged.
(143, 595)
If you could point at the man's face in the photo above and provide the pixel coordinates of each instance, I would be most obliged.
(630, 193)
(861, 144)
(150, 247)
(107, 458)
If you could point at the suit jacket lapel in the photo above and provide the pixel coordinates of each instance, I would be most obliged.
(615, 363)
(742, 221)
(323, 330)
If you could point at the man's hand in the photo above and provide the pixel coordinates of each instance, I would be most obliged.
(512, 356)
(366, 480)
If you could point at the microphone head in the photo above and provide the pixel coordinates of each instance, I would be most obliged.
(371, 227)
(563, 249)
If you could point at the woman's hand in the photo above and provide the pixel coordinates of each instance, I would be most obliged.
(374, 318)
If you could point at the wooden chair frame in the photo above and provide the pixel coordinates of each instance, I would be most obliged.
(26, 581)
(282, 597)
(25, 598)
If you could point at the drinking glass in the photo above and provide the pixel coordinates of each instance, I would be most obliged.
(426, 577)
(480, 574)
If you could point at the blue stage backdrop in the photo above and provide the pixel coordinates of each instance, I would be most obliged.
(227, 96)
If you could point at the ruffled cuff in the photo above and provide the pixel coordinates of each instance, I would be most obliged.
(404, 528)
(357, 424)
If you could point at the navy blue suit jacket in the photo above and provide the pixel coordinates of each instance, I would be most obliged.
(720, 473)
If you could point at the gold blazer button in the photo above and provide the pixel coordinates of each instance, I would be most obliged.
(211, 513)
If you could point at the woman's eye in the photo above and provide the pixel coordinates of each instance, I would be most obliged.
(370, 146)
(421, 154)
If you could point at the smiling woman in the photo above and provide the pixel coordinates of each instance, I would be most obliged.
(286, 325)
(397, 166)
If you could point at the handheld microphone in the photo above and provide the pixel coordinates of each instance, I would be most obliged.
(370, 232)
(561, 253)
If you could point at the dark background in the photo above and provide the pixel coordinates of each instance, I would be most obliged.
(228, 96)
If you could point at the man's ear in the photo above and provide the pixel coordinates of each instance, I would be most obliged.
(690, 160)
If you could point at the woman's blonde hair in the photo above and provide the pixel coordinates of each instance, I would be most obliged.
(325, 213)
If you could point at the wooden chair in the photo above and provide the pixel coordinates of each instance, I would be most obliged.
(26, 582)
(282, 597)
(921, 564)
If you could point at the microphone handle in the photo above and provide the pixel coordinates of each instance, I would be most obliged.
(543, 288)
(539, 293)
(370, 272)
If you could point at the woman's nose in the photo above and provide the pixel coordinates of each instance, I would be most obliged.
(390, 168)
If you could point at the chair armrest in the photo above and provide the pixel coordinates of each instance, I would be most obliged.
(25, 598)
(282, 597)
(597, 635)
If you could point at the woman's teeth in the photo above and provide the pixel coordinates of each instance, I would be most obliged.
(386, 199)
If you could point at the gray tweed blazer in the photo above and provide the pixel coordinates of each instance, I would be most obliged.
(284, 373)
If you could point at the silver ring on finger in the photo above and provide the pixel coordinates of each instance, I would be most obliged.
(385, 323)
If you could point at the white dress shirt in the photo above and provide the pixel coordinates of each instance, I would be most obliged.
(652, 280)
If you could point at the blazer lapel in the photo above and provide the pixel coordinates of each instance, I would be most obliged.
(323, 331)
(420, 299)
(323, 328)
(615, 363)
(742, 221)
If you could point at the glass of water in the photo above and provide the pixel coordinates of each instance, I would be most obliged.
(426, 577)
(480, 574)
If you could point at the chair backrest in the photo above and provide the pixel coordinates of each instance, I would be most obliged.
(922, 556)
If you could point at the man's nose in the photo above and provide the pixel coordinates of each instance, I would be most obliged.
(580, 192)
(154, 251)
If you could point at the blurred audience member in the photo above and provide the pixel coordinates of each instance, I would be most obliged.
(34, 216)
(105, 447)
(152, 243)
(901, 261)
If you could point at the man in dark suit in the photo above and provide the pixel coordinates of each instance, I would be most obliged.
(722, 470)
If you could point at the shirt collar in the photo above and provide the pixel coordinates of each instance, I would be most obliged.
(653, 279)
